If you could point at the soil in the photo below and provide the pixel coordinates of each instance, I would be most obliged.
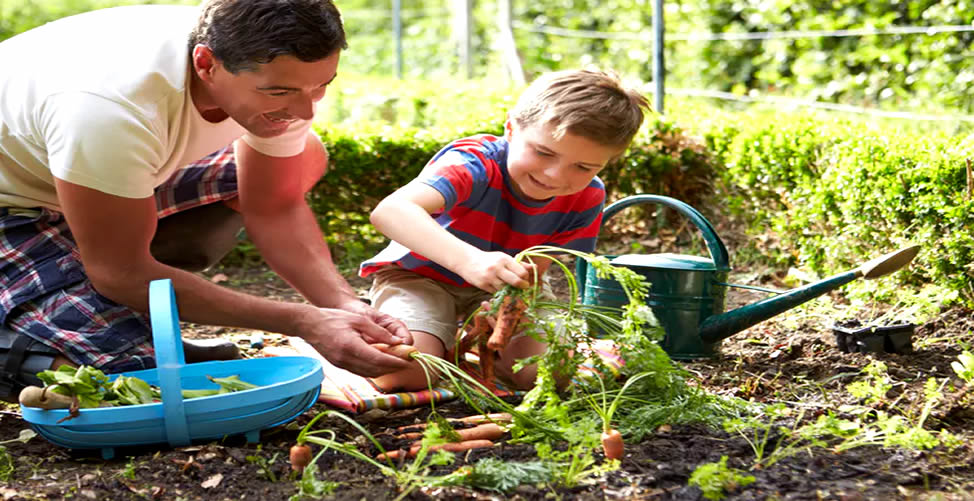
(791, 358)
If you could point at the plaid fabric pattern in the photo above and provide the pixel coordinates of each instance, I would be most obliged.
(45, 293)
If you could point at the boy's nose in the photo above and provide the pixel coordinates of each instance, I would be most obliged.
(555, 171)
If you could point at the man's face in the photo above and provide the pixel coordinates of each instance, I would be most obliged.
(542, 167)
(267, 100)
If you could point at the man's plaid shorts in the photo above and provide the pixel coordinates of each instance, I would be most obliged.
(45, 294)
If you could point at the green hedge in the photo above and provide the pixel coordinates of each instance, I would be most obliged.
(811, 192)
(834, 193)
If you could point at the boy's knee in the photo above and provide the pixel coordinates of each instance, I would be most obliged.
(525, 378)
(413, 379)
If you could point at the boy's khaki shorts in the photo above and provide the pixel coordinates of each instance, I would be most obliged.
(428, 305)
(424, 304)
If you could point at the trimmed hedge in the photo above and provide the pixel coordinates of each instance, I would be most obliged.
(811, 192)
(834, 193)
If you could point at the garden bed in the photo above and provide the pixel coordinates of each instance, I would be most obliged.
(791, 359)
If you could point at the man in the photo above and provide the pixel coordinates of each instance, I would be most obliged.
(109, 121)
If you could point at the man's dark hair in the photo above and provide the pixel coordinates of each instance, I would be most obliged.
(245, 33)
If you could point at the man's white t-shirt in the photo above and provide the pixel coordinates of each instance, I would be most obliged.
(102, 100)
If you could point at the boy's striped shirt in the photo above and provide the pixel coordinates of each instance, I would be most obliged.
(482, 209)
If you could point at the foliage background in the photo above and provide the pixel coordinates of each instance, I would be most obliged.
(810, 190)
(917, 71)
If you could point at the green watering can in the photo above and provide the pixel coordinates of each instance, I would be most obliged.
(687, 293)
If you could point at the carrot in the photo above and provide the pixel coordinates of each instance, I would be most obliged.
(300, 457)
(410, 435)
(396, 454)
(35, 396)
(612, 444)
(449, 447)
(487, 357)
(502, 417)
(478, 329)
(484, 418)
(487, 431)
(403, 351)
(510, 313)
(466, 445)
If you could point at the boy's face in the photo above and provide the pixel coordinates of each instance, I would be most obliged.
(542, 167)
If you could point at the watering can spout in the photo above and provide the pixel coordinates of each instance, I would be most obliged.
(720, 326)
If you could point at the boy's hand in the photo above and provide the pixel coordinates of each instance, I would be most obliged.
(491, 271)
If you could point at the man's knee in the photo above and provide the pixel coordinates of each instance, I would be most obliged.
(197, 238)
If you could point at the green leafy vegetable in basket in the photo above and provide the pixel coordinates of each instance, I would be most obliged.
(86, 387)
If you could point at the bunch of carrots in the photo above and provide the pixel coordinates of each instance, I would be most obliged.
(484, 430)
(512, 308)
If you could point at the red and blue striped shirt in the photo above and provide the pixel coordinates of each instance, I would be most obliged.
(482, 210)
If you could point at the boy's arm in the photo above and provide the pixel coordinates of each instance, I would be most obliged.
(404, 216)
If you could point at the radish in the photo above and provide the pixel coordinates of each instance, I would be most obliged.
(300, 457)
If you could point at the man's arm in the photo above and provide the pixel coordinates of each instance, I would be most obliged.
(272, 193)
(286, 232)
(113, 235)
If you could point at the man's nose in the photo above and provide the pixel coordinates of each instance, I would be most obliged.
(303, 107)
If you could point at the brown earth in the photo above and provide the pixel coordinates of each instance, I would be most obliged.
(791, 358)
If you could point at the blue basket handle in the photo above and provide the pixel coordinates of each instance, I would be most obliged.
(169, 359)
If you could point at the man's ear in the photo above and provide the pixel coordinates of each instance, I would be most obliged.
(204, 64)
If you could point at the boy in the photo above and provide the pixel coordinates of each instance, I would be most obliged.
(482, 199)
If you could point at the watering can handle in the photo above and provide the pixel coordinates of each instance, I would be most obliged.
(718, 252)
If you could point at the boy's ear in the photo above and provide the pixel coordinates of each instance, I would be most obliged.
(509, 128)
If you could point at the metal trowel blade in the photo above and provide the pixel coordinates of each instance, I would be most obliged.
(889, 263)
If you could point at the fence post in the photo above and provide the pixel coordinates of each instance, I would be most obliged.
(397, 31)
(464, 24)
(505, 36)
(659, 72)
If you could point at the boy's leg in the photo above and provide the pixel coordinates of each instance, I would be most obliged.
(521, 346)
(428, 310)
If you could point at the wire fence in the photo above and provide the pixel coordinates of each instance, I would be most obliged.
(645, 37)
(759, 35)
(822, 105)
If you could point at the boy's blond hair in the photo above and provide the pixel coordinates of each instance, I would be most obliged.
(587, 103)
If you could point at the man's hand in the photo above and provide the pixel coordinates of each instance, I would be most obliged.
(491, 271)
(343, 338)
(395, 330)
